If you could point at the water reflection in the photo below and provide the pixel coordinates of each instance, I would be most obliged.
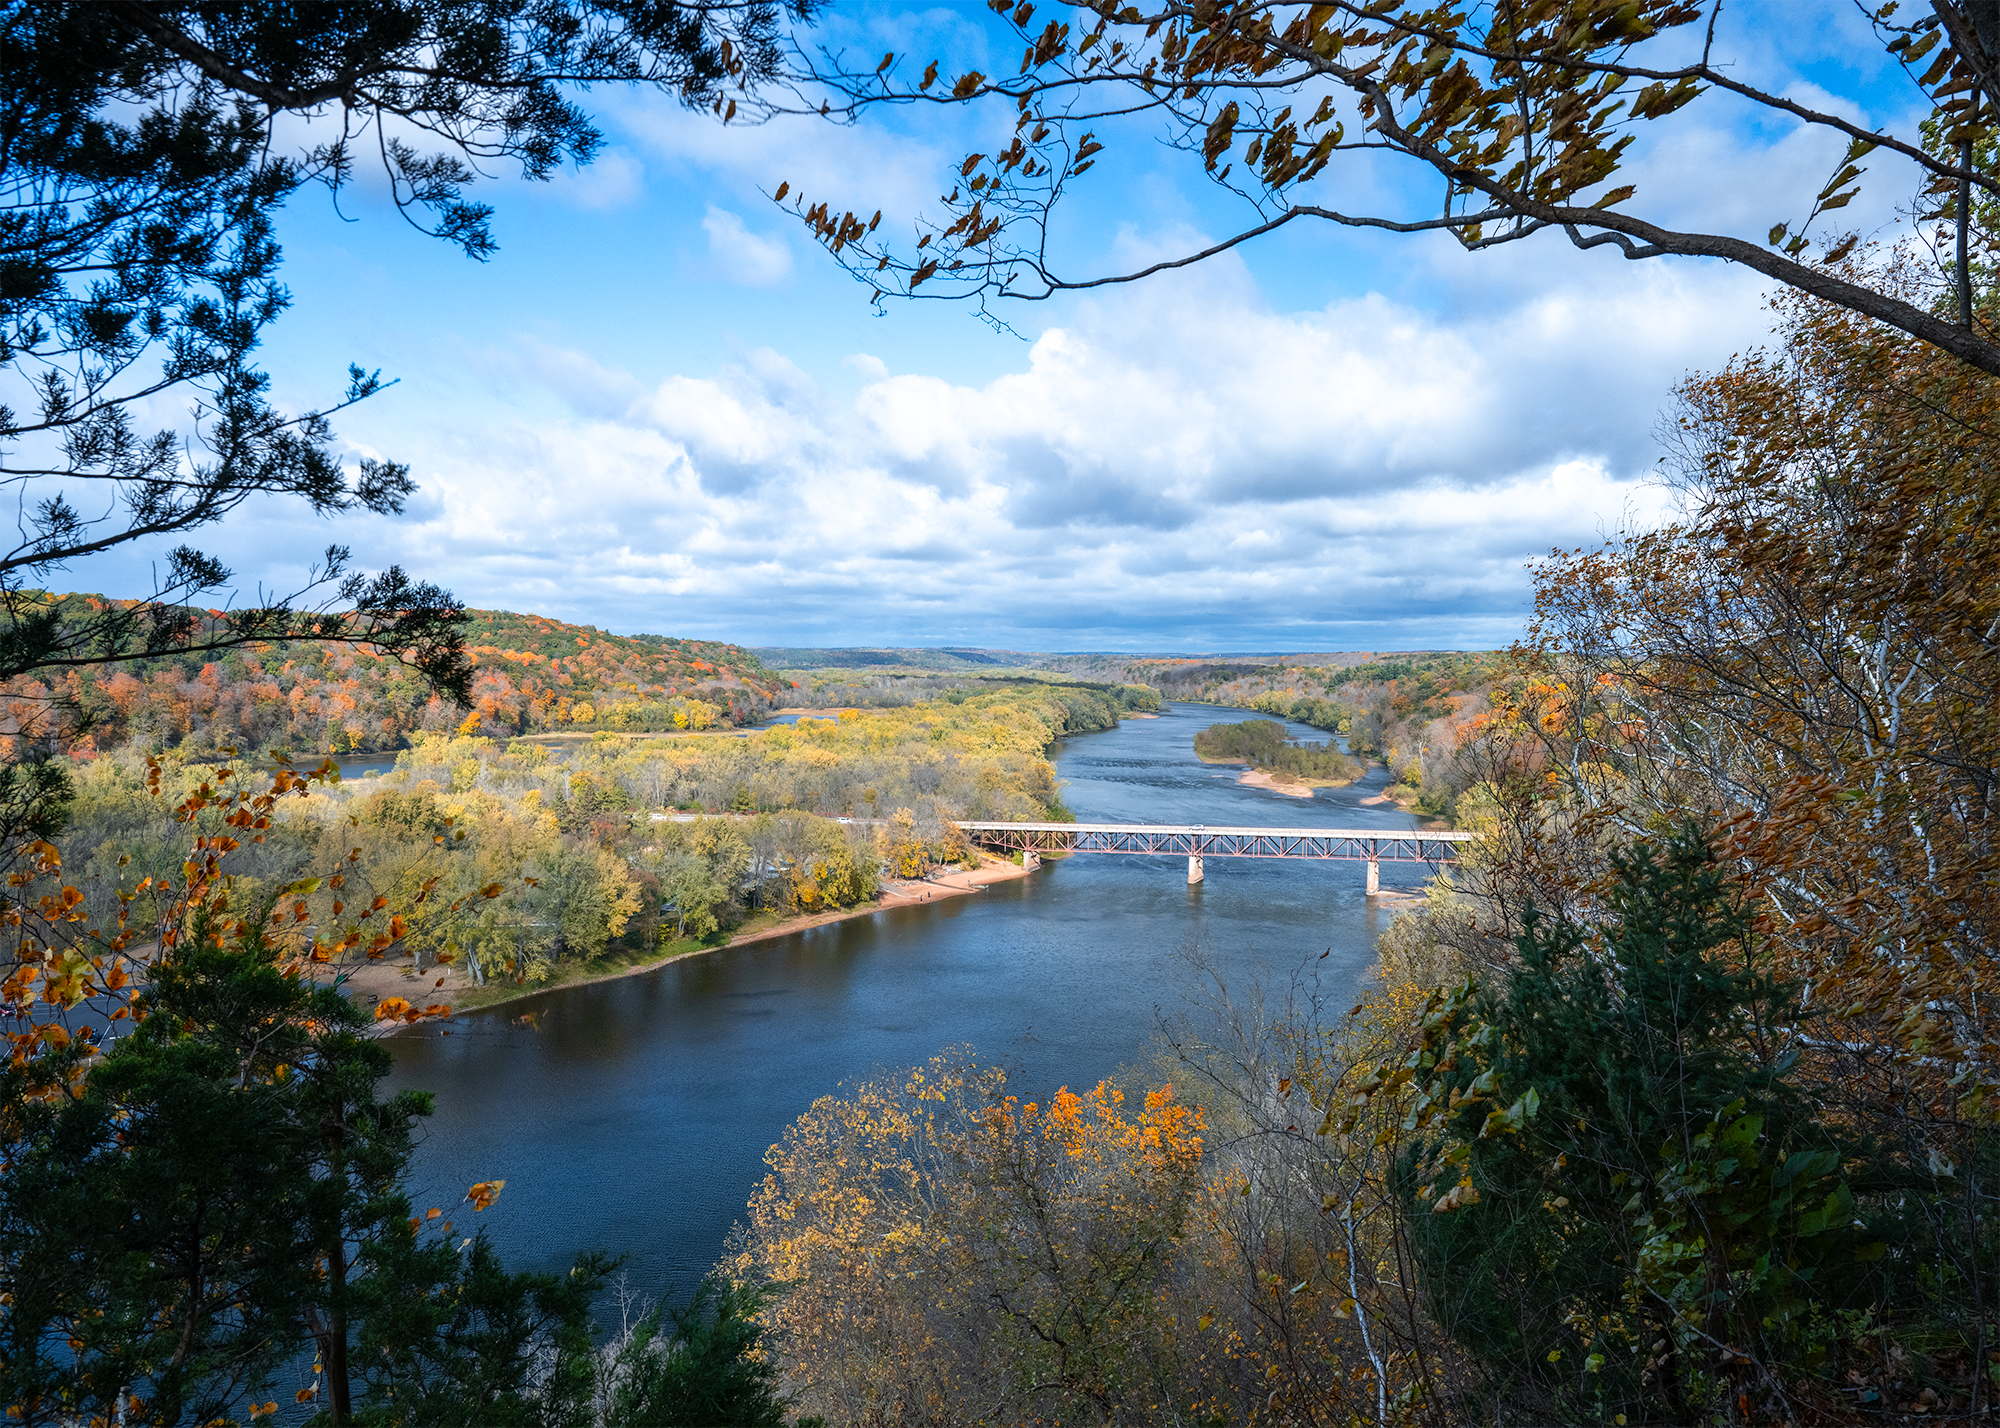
(633, 1115)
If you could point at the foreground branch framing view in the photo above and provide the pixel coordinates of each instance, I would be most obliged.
(1116, 901)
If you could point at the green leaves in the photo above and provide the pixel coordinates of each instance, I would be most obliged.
(1642, 1147)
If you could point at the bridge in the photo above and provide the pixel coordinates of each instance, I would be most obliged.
(1374, 846)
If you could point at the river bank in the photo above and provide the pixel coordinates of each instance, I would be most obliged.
(453, 985)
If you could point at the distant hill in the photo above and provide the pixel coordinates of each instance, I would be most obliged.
(532, 674)
(786, 657)
(1113, 667)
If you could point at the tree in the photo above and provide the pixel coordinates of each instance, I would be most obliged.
(449, 1337)
(1625, 1205)
(1809, 651)
(585, 893)
(144, 149)
(1518, 114)
(689, 890)
(953, 1252)
(706, 1371)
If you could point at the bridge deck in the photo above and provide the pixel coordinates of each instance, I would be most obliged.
(1195, 840)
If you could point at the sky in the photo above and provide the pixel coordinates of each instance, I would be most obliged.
(660, 408)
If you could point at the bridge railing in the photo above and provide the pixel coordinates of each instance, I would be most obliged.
(1370, 845)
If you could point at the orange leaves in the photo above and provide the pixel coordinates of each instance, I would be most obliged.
(400, 1009)
(484, 1193)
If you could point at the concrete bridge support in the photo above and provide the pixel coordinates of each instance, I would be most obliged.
(1030, 860)
(1194, 869)
(1374, 876)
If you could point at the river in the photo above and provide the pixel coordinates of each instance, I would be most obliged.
(633, 1115)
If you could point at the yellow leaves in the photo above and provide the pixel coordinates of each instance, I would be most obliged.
(484, 1193)
(392, 1008)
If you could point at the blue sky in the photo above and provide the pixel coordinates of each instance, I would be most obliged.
(659, 408)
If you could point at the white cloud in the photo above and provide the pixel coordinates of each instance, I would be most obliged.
(742, 256)
(867, 364)
(1176, 466)
(615, 178)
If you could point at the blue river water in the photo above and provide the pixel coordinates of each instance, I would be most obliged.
(633, 1115)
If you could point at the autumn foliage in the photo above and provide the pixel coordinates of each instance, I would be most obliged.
(960, 1253)
(529, 674)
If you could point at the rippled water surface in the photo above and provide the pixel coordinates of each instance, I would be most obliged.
(633, 1115)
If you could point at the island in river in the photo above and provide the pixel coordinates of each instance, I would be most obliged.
(1278, 762)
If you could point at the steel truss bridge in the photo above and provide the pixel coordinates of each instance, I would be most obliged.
(1195, 842)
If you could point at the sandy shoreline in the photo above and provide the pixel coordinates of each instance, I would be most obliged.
(371, 984)
(1258, 778)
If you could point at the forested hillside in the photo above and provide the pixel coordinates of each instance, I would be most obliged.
(532, 674)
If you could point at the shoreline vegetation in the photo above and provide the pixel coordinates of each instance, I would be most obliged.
(464, 996)
(481, 870)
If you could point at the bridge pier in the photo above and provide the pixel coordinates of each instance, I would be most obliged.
(1194, 869)
(1374, 876)
(1030, 860)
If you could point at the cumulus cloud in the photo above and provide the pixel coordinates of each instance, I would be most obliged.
(742, 256)
(1175, 467)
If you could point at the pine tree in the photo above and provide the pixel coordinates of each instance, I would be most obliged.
(1628, 1208)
